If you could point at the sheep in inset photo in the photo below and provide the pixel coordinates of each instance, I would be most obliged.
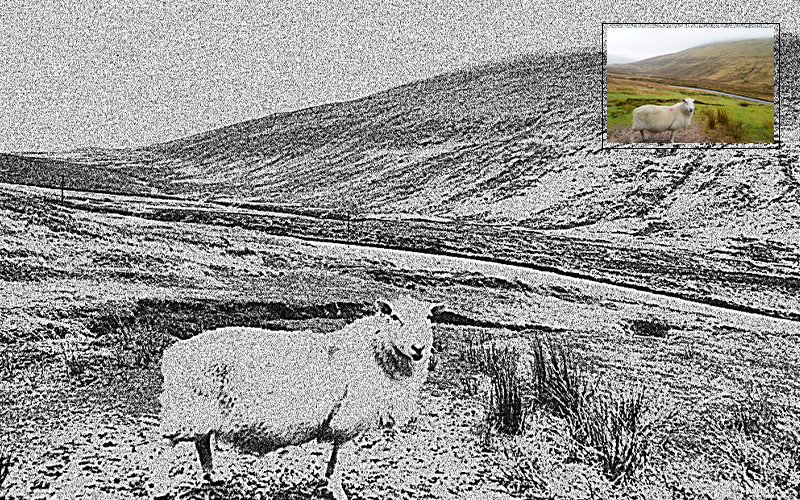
(656, 119)
(261, 390)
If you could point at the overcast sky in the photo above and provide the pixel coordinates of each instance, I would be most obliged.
(133, 72)
(625, 45)
(123, 73)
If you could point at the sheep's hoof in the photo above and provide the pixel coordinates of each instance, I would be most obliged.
(160, 492)
(334, 488)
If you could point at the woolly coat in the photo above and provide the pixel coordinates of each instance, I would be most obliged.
(261, 390)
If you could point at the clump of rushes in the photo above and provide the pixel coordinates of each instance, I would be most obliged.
(139, 342)
(74, 364)
(711, 119)
(723, 117)
(613, 431)
(736, 130)
(506, 410)
(5, 468)
(557, 382)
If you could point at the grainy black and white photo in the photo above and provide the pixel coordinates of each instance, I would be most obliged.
(377, 250)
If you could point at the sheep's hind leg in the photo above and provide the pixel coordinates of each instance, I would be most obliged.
(161, 484)
(203, 445)
(334, 475)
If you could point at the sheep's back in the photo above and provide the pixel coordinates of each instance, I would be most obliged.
(245, 382)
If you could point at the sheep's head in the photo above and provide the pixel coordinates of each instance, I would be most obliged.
(688, 105)
(405, 340)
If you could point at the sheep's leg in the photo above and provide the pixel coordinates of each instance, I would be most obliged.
(334, 474)
(633, 135)
(672, 137)
(160, 481)
(203, 445)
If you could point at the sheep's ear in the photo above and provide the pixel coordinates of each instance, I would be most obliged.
(383, 307)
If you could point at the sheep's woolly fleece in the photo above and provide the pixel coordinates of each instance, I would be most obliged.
(652, 118)
(261, 390)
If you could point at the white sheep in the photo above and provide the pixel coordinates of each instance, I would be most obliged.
(656, 119)
(261, 390)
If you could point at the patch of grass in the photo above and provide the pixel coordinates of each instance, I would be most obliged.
(75, 365)
(609, 430)
(138, 341)
(736, 130)
(723, 117)
(5, 469)
(505, 409)
(711, 118)
(753, 414)
(557, 382)
(613, 431)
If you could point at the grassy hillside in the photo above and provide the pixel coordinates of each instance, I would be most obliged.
(744, 67)
(90, 296)
(756, 121)
(513, 147)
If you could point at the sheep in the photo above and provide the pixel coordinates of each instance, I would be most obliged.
(656, 119)
(261, 390)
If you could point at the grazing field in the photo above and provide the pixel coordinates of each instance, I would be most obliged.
(747, 122)
(91, 297)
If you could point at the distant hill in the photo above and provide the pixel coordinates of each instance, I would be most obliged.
(515, 142)
(745, 67)
(514, 147)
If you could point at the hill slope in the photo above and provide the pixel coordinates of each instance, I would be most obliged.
(516, 145)
(743, 66)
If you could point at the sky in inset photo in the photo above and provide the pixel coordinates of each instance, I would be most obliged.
(624, 45)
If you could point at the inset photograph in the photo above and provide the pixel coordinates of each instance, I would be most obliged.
(714, 84)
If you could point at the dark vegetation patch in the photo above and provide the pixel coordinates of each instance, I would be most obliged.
(184, 319)
(650, 327)
(24, 271)
(571, 294)
(411, 280)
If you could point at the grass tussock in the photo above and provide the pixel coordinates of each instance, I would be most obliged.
(138, 342)
(506, 409)
(75, 365)
(736, 130)
(605, 429)
(711, 118)
(5, 469)
(614, 432)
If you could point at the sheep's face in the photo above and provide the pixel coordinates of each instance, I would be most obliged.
(407, 335)
(688, 105)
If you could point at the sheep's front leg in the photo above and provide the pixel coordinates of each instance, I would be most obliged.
(334, 474)
(633, 135)
(672, 137)
(203, 445)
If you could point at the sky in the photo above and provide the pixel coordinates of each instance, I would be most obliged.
(624, 45)
(124, 73)
(136, 72)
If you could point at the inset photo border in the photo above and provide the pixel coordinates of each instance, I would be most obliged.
(698, 86)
